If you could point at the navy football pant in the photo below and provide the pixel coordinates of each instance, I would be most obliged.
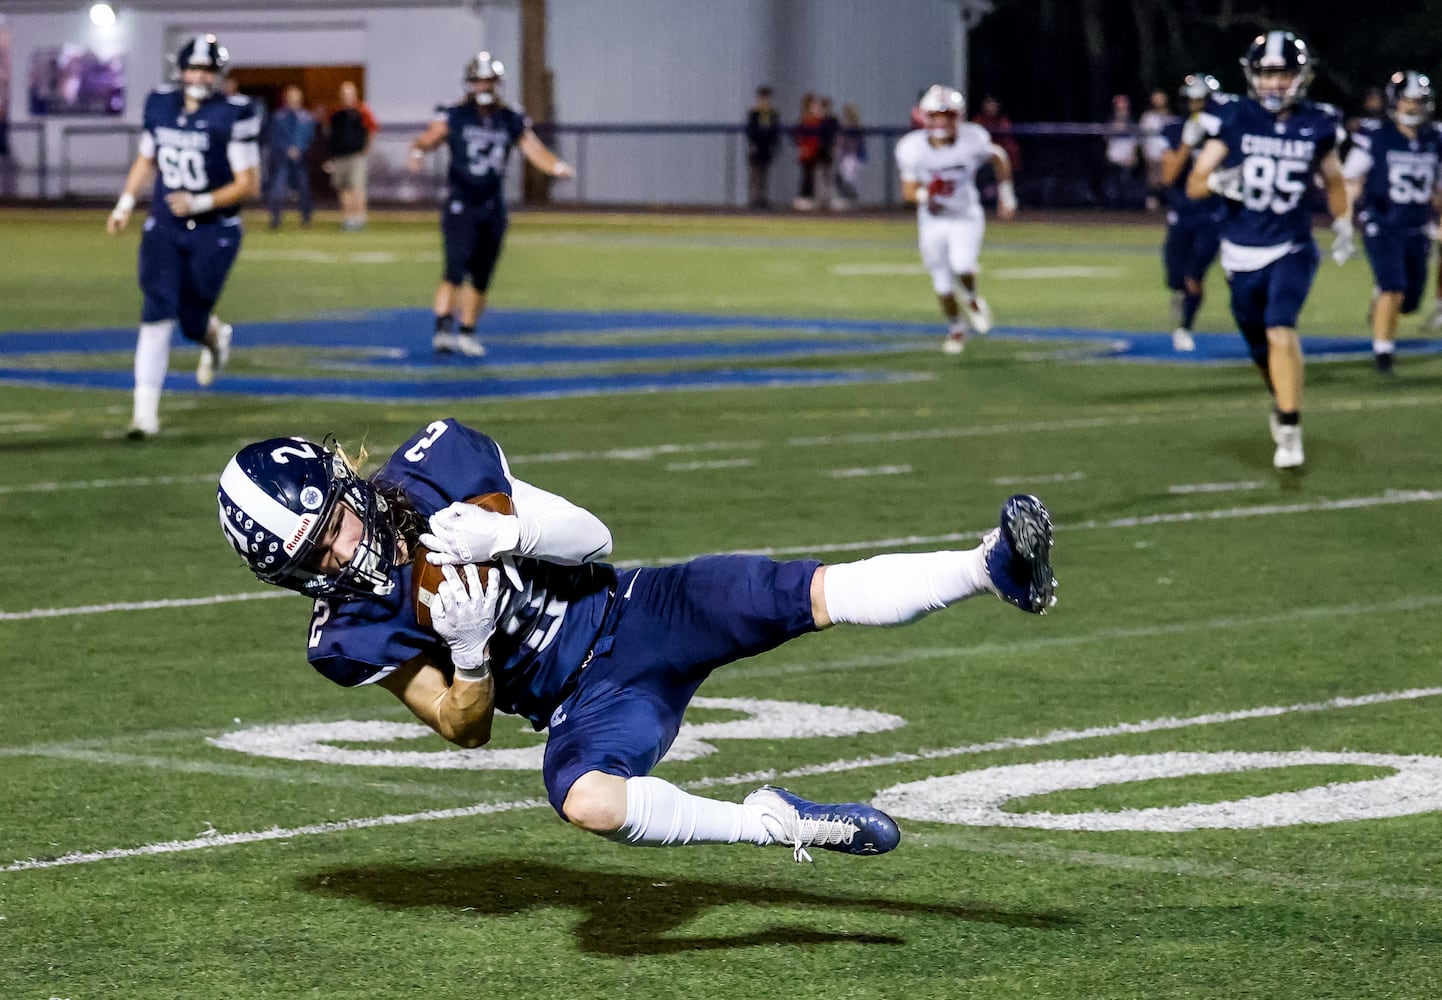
(182, 271)
(673, 625)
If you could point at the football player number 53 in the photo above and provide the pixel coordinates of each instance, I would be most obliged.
(182, 169)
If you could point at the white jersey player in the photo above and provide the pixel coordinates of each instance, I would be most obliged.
(938, 166)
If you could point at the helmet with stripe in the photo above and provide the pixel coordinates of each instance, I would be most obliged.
(1198, 87)
(1410, 85)
(201, 52)
(483, 69)
(1278, 68)
(941, 99)
(277, 499)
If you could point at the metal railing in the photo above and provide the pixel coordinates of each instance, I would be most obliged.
(701, 165)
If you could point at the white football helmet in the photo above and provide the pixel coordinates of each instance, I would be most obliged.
(940, 99)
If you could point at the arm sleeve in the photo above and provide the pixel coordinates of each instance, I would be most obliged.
(243, 150)
(553, 528)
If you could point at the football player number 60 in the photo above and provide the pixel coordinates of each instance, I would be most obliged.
(182, 169)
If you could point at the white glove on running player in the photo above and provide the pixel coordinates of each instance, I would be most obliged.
(463, 613)
(1227, 183)
(465, 533)
(1344, 242)
(1194, 133)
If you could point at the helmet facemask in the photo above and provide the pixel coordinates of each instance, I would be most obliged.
(301, 510)
(1273, 55)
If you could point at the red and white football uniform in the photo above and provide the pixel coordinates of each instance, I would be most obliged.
(950, 223)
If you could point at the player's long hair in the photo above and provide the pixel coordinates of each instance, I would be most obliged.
(400, 509)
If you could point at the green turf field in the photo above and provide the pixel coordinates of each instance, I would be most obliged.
(1223, 768)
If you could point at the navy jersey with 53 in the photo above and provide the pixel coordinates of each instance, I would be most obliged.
(1278, 156)
(198, 152)
(1400, 181)
(545, 627)
(480, 142)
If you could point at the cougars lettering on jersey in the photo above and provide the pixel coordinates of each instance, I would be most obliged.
(546, 625)
(1400, 174)
(948, 173)
(480, 143)
(198, 152)
(1278, 157)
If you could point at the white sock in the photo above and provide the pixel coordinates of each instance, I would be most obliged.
(957, 325)
(1383, 346)
(900, 588)
(152, 358)
(658, 814)
(213, 325)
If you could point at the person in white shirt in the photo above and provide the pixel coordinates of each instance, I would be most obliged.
(938, 166)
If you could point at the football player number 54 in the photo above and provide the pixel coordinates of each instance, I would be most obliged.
(182, 169)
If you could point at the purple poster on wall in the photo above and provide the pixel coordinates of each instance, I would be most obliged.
(73, 80)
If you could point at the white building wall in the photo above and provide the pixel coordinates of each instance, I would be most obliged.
(614, 61)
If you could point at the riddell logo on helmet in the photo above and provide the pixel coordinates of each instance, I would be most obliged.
(297, 536)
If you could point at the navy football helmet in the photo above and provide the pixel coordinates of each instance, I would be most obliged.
(201, 52)
(1416, 86)
(1198, 87)
(483, 67)
(276, 500)
(1277, 52)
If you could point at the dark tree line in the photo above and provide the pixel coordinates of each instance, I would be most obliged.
(1062, 60)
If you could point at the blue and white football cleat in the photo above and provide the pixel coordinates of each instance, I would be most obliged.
(1018, 555)
(848, 827)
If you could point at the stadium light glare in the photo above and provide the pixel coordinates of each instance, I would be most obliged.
(102, 15)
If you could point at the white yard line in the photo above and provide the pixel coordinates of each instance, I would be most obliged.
(462, 812)
(1188, 488)
(1406, 605)
(1385, 499)
(876, 470)
(648, 453)
(723, 463)
(1047, 854)
(1054, 477)
(106, 484)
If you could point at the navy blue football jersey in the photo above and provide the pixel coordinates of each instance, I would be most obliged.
(1401, 174)
(480, 141)
(545, 629)
(198, 152)
(1187, 209)
(1278, 157)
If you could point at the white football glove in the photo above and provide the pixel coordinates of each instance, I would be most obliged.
(1227, 183)
(1194, 133)
(1344, 242)
(465, 533)
(463, 613)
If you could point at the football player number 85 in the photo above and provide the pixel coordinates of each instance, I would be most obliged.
(1273, 185)
(182, 169)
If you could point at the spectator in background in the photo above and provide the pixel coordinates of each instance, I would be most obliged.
(807, 136)
(992, 118)
(763, 135)
(348, 132)
(851, 143)
(292, 130)
(1122, 155)
(1153, 144)
(830, 129)
(7, 161)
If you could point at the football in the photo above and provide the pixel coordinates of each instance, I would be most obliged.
(426, 576)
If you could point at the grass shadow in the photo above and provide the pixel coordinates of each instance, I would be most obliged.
(652, 909)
